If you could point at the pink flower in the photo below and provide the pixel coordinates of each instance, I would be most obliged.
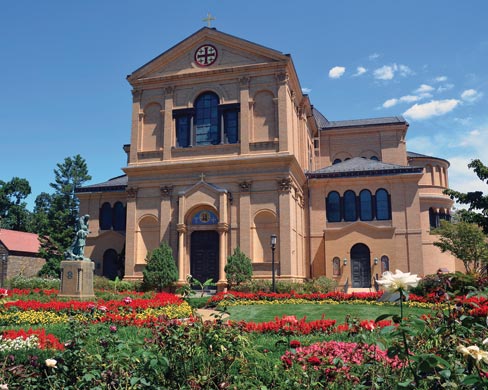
(290, 319)
(91, 306)
(102, 308)
(113, 328)
(127, 300)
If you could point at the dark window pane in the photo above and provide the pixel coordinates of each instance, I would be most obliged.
(105, 216)
(366, 205)
(382, 205)
(207, 130)
(183, 131)
(374, 158)
(333, 207)
(434, 219)
(336, 266)
(336, 161)
(119, 216)
(385, 264)
(231, 126)
(350, 213)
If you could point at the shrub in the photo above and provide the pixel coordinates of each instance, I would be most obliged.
(321, 284)
(458, 283)
(23, 283)
(160, 271)
(238, 268)
(102, 283)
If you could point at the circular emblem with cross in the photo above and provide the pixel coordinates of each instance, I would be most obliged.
(206, 55)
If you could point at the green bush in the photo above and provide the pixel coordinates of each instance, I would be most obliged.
(160, 271)
(457, 283)
(321, 285)
(238, 268)
(102, 283)
(21, 282)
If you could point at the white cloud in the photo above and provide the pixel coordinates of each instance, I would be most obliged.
(306, 90)
(373, 56)
(390, 103)
(463, 121)
(410, 98)
(471, 95)
(441, 79)
(360, 70)
(433, 108)
(445, 87)
(424, 88)
(387, 72)
(336, 72)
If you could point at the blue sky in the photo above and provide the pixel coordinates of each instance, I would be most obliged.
(64, 65)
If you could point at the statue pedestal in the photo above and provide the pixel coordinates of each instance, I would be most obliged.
(77, 279)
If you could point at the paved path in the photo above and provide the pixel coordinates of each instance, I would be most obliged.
(206, 314)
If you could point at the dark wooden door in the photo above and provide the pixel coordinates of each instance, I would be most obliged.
(204, 257)
(360, 266)
(110, 264)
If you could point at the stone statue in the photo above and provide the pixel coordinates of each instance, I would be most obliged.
(77, 249)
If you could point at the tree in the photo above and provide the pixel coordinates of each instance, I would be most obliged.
(238, 268)
(466, 241)
(477, 211)
(56, 214)
(13, 210)
(160, 271)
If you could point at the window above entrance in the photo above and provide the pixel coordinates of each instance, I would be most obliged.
(205, 217)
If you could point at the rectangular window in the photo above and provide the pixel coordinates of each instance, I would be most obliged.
(231, 128)
(183, 131)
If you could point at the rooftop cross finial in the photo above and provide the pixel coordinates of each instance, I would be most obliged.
(208, 19)
(202, 177)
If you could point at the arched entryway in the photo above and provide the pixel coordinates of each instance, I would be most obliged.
(360, 266)
(204, 256)
(110, 264)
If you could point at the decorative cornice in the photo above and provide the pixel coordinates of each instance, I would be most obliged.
(166, 191)
(169, 90)
(245, 186)
(285, 184)
(245, 81)
(131, 192)
(181, 228)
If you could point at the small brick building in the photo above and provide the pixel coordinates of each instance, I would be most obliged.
(19, 254)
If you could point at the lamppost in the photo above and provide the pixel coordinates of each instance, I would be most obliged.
(273, 247)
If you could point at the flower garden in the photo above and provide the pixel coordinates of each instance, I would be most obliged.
(131, 340)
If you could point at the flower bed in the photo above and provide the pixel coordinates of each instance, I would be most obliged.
(127, 311)
(30, 339)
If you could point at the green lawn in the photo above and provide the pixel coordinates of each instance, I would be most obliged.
(262, 313)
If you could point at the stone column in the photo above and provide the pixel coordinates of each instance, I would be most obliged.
(282, 80)
(245, 218)
(131, 238)
(245, 115)
(222, 229)
(169, 134)
(287, 261)
(181, 228)
(165, 214)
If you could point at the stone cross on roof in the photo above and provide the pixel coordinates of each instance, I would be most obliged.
(208, 19)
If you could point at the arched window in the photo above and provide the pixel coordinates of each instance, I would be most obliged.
(119, 216)
(336, 161)
(333, 207)
(207, 130)
(434, 219)
(382, 205)
(105, 218)
(374, 158)
(336, 266)
(350, 211)
(365, 205)
(385, 264)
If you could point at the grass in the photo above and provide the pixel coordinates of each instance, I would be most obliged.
(262, 313)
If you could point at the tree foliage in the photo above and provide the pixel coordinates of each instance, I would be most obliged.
(56, 214)
(238, 268)
(466, 241)
(477, 202)
(13, 209)
(160, 271)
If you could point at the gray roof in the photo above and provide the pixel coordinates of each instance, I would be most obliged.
(364, 122)
(418, 155)
(320, 119)
(359, 166)
(118, 183)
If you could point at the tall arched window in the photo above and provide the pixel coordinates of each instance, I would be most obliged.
(336, 266)
(105, 218)
(385, 264)
(333, 207)
(350, 211)
(382, 205)
(365, 205)
(207, 130)
(119, 216)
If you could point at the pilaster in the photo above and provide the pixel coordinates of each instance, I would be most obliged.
(169, 134)
(245, 217)
(245, 119)
(131, 237)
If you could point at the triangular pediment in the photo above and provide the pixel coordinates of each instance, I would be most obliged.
(203, 186)
(204, 51)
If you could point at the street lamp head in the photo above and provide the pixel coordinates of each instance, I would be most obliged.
(375, 261)
(344, 261)
(273, 241)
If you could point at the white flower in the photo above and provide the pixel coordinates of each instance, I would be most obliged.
(485, 341)
(473, 351)
(398, 280)
(51, 363)
(4, 387)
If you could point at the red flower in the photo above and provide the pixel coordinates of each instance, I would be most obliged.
(295, 344)
(314, 360)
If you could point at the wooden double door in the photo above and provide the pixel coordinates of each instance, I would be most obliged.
(204, 255)
(360, 266)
